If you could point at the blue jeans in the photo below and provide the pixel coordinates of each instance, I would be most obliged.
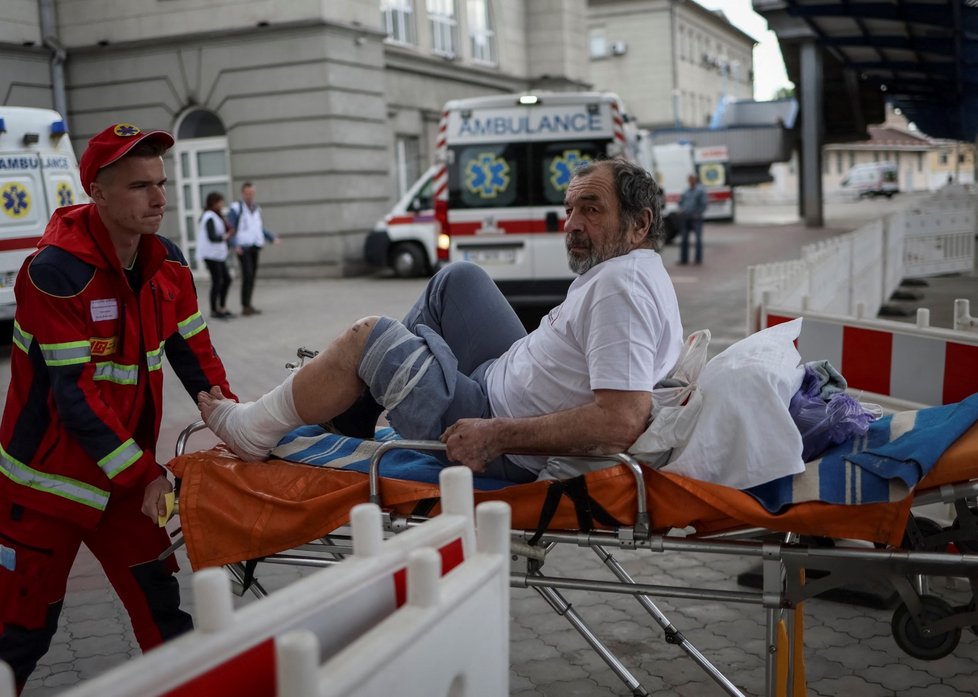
(692, 224)
(429, 369)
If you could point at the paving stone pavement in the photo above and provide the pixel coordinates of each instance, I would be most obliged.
(849, 648)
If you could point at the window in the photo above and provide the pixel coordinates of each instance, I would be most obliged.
(441, 15)
(943, 157)
(597, 44)
(408, 162)
(398, 20)
(481, 32)
(838, 162)
(920, 162)
(682, 43)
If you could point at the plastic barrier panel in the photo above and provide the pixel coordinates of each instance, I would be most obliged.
(863, 268)
(232, 653)
(898, 363)
(450, 639)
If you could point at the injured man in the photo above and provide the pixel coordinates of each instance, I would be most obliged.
(461, 368)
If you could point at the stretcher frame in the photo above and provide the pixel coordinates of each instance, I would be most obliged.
(784, 564)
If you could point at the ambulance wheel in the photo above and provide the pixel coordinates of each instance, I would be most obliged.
(408, 261)
(913, 641)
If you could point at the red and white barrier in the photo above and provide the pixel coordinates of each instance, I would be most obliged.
(232, 653)
(896, 364)
(451, 638)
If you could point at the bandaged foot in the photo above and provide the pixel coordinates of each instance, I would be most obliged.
(251, 429)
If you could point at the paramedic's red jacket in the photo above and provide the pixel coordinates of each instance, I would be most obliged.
(86, 390)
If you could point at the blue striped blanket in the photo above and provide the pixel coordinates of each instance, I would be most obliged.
(884, 465)
(313, 445)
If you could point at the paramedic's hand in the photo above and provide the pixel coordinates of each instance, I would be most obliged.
(470, 443)
(154, 498)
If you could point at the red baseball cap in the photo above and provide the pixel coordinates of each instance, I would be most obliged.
(111, 144)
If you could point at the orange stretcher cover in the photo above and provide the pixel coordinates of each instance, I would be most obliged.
(232, 510)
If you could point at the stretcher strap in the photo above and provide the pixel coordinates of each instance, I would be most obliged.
(424, 507)
(587, 509)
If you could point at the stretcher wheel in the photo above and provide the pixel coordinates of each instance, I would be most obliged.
(913, 641)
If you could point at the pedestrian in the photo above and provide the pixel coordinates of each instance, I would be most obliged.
(250, 235)
(692, 204)
(461, 367)
(98, 304)
(212, 247)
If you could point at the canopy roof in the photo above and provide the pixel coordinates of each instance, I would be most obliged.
(922, 55)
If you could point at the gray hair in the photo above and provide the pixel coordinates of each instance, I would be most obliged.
(637, 190)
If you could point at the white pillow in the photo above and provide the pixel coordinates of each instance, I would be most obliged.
(744, 435)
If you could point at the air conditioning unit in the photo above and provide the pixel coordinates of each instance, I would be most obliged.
(619, 48)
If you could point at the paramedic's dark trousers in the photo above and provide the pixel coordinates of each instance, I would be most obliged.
(126, 544)
(249, 271)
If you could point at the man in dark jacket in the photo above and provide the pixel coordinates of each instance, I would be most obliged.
(98, 304)
(693, 204)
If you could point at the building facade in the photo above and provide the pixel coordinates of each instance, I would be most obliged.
(329, 108)
(671, 62)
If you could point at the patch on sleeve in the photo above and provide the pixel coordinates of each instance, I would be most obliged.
(102, 347)
(105, 309)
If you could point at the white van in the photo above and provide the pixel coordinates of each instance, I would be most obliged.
(506, 162)
(873, 179)
(408, 239)
(38, 173)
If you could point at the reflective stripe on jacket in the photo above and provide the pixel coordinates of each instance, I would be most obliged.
(85, 400)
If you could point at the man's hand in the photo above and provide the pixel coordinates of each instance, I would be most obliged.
(154, 498)
(471, 443)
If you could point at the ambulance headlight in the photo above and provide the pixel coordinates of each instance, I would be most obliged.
(444, 241)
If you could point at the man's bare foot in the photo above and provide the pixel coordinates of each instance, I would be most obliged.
(232, 423)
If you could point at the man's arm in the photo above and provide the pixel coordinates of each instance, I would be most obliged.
(609, 424)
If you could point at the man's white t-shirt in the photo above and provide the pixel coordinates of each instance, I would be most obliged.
(618, 329)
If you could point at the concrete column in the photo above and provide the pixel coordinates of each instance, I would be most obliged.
(811, 134)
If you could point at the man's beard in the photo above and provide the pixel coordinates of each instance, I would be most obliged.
(613, 248)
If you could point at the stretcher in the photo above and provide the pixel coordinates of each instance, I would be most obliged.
(270, 512)
(394, 608)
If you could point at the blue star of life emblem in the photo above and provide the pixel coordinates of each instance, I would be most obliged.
(487, 175)
(562, 168)
(66, 196)
(16, 201)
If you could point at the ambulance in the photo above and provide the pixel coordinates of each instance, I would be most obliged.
(408, 239)
(504, 165)
(672, 163)
(38, 173)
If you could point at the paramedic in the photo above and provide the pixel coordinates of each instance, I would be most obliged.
(98, 304)
(461, 367)
(692, 204)
(249, 237)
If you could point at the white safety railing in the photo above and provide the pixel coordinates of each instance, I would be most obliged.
(232, 653)
(854, 274)
(450, 639)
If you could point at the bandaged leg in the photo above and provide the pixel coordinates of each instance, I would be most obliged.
(252, 429)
